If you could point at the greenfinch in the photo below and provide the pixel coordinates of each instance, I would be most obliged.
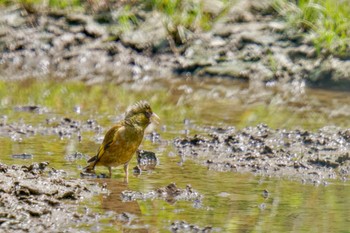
(122, 140)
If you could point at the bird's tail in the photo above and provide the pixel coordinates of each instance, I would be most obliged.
(91, 166)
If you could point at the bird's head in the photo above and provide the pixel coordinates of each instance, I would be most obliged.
(141, 114)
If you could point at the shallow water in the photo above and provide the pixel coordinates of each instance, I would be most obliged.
(232, 202)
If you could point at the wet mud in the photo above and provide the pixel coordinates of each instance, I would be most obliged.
(37, 198)
(146, 161)
(62, 127)
(296, 154)
(182, 226)
(122, 205)
(170, 193)
(309, 157)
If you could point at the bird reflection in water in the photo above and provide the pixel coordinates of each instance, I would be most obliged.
(127, 214)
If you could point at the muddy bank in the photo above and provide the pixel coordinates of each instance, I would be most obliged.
(61, 127)
(250, 42)
(36, 198)
(182, 226)
(310, 157)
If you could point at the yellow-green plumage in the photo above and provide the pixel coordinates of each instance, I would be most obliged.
(122, 140)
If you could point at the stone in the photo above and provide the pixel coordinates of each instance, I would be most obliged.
(232, 69)
(77, 19)
(331, 73)
(12, 18)
(213, 7)
(150, 33)
(303, 51)
(94, 30)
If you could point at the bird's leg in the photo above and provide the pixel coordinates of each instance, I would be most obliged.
(110, 172)
(126, 178)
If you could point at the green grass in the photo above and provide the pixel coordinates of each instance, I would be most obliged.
(62, 4)
(127, 18)
(326, 21)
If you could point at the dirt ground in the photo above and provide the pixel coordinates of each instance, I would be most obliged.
(250, 42)
(37, 198)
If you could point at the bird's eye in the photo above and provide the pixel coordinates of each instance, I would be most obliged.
(148, 114)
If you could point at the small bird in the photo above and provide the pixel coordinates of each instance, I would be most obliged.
(122, 140)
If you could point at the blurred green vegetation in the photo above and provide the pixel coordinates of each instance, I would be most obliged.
(327, 21)
(182, 16)
(127, 18)
(44, 3)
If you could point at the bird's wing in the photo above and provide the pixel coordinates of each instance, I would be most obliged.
(111, 137)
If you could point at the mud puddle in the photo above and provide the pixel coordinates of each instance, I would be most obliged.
(304, 138)
(312, 157)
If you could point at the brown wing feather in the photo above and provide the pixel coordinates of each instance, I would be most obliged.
(110, 138)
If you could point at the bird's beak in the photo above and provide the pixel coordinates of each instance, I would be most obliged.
(155, 118)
